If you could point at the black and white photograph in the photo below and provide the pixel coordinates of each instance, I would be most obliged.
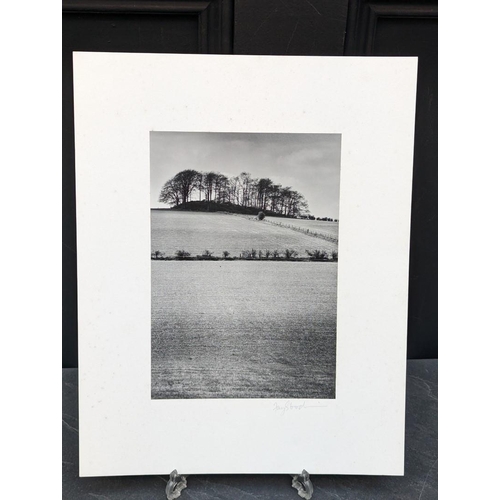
(244, 259)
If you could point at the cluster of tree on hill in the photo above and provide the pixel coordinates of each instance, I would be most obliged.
(241, 190)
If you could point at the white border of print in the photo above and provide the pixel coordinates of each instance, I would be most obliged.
(119, 99)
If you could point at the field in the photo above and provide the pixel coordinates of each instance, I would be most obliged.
(196, 232)
(242, 329)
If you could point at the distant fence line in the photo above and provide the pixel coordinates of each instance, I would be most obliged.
(314, 234)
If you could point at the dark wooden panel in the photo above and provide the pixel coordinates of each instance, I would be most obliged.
(410, 29)
(292, 27)
(366, 16)
(160, 26)
(214, 17)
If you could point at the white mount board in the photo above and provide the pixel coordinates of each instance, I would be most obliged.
(119, 100)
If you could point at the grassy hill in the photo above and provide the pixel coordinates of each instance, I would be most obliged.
(211, 206)
(173, 230)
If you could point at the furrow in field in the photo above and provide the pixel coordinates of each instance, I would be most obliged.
(243, 329)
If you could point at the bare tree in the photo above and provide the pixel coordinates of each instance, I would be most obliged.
(199, 183)
(187, 180)
(263, 187)
(246, 182)
(171, 193)
(221, 188)
(208, 182)
(234, 190)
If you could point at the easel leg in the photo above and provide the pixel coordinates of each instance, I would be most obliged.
(175, 485)
(303, 485)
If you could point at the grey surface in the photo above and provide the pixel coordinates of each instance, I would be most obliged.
(419, 482)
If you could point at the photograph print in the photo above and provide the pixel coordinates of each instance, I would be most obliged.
(244, 259)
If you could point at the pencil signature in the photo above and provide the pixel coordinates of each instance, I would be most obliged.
(288, 406)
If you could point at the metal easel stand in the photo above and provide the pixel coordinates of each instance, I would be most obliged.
(303, 485)
(301, 482)
(175, 485)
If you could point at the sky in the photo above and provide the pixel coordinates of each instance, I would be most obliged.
(309, 163)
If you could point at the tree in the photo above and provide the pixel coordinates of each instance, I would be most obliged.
(274, 195)
(263, 190)
(221, 188)
(298, 204)
(187, 180)
(171, 193)
(199, 183)
(285, 194)
(246, 182)
(208, 182)
(234, 190)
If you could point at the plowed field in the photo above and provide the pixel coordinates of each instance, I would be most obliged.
(240, 329)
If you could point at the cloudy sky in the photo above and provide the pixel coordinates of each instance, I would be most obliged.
(309, 163)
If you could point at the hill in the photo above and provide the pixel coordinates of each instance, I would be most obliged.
(211, 206)
(173, 230)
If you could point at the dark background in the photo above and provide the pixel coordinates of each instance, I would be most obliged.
(270, 27)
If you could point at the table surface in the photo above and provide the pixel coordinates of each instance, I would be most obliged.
(419, 482)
